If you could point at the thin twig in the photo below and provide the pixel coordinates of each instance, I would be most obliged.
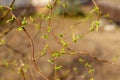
(86, 53)
(94, 3)
(11, 5)
(5, 32)
(33, 55)
(21, 69)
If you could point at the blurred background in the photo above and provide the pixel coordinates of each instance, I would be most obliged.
(73, 16)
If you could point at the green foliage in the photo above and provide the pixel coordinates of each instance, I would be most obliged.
(95, 10)
(63, 43)
(91, 78)
(81, 60)
(1, 7)
(23, 23)
(38, 26)
(45, 36)
(58, 1)
(60, 35)
(48, 29)
(64, 5)
(91, 70)
(11, 19)
(75, 38)
(6, 64)
(94, 25)
(97, 25)
(20, 28)
(58, 54)
(106, 15)
(49, 6)
(87, 65)
(45, 17)
(64, 49)
(45, 49)
(58, 67)
(73, 53)
(32, 19)
(50, 61)
(2, 42)
(13, 6)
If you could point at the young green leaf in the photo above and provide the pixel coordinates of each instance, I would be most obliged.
(24, 21)
(2, 41)
(58, 67)
(32, 19)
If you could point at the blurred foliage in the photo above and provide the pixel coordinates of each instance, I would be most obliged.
(72, 8)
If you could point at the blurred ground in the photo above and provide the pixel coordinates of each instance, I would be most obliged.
(102, 44)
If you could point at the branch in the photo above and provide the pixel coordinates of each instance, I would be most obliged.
(21, 69)
(9, 9)
(33, 55)
(86, 53)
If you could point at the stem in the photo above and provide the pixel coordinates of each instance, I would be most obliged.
(2, 18)
(33, 55)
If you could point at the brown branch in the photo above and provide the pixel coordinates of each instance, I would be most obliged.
(9, 29)
(6, 32)
(86, 53)
(8, 11)
(32, 46)
(22, 72)
(31, 41)
(21, 69)
(30, 68)
(93, 1)
(33, 55)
